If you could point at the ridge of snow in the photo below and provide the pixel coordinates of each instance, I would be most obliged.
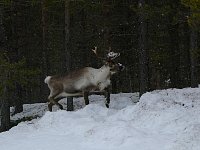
(161, 120)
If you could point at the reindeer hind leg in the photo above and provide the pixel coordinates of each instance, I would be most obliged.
(50, 104)
(58, 104)
(50, 101)
(53, 100)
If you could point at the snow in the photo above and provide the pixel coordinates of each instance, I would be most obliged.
(161, 120)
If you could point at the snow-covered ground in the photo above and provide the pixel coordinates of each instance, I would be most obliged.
(161, 120)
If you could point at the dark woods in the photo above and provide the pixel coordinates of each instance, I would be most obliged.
(158, 41)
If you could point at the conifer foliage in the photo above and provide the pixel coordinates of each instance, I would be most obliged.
(158, 41)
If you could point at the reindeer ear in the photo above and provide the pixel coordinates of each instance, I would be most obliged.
(109, 49)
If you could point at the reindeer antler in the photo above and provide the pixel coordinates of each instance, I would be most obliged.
(109, 49)
(110, 56)
(95, 52)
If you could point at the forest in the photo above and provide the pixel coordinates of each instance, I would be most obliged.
(158, 41)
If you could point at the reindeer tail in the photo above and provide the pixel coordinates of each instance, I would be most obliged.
(46, 80)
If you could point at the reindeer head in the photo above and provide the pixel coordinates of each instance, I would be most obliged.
(109, 61)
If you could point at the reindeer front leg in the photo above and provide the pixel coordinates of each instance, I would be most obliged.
(85, 95)
(103, 85)
(107, 96)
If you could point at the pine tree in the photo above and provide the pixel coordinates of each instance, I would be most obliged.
(194, 22)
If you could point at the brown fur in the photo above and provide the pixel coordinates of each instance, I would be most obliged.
(67, 83)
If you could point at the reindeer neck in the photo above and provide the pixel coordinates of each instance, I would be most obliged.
(104, 68)
(103, 73)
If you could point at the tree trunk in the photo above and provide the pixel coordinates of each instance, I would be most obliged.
(175, 56)
(19, 101)
(184, 46)
(4, 103)
(193, 58)
(143, 60)
(70, 106)
(67, 54)
(45, 64)
(67, 37)
(4, 112)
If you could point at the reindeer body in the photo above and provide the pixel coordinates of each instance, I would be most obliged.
(82, 81)
(79, 81)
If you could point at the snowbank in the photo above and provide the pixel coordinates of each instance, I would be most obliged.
(162, 120)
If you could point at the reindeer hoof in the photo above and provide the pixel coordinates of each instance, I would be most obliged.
(107, 105)
(61, 107)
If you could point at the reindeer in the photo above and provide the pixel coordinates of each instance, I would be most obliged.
(80, 82)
